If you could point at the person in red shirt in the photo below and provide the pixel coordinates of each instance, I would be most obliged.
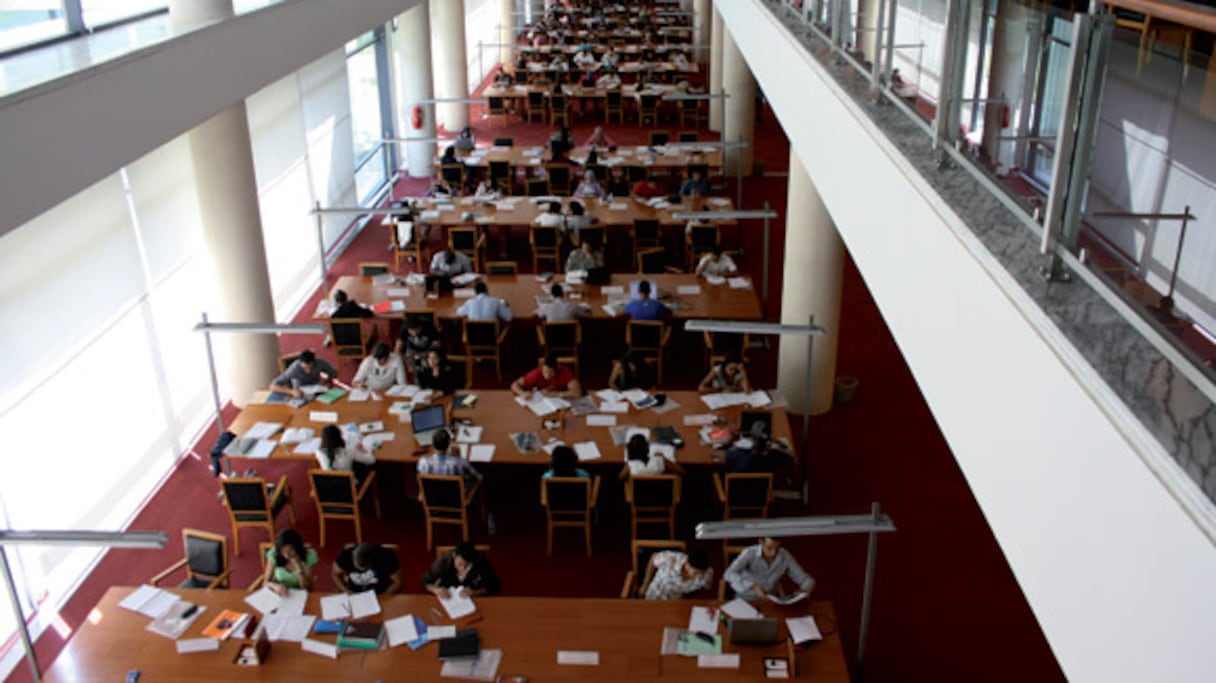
(647, 188)
(549, 378)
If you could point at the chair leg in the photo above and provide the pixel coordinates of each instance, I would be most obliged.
(358, 529)
(549, 541)
(236, 540)
(429, 530)
(587, 536)
(322, 525)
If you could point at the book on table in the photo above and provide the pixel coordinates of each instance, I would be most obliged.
(361, 635)
(226, 623)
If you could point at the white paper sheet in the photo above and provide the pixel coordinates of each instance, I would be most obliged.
(309, 447)
(803, 629)
(400, 630)
(263, 430)
(363, 604)
(691, 290)
(614, 407)
(290, 628)
(578, 657)
(612, 289)
(189, 645)
(610, 395)
(601, 420)
(740, 609)
(723, 661)
(469, 434)
(335, 607)
(632, 431)
(457, 604)
(293, 603)
(158, 605)
(319, 648)
(264, 600)
(587, 450)
(324, 416)
(440, 632)
(482, 452)
(698, 420)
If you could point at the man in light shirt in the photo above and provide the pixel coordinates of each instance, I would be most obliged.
(560, 309)
(717, 264)
(380, 370)
(449, 262)
(483, 306)
(757, 570)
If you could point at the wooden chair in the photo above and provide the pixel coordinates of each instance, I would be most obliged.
(559, 110)
(445, 500)
(652, 500)
(729, 553)
(206, 561)
(546, 244)
(690, 111)
(338, 496)
(501, 268)
(537, 106)
(500, 175)
(469, 241)
(561, 339)
(719, 345)
(698, 240)
(652, 260)
(497, 106)
(287, 359)
(463, 367)
(569, 502)
(658, 138)
(441, 550)
(483, 340)
(453, 174)
(596, 234)
(614, 106)
(250, 502)
(744, 495)
(537, 187)
(349, 337)
(644, 234)
(504, 142)
(648, 109)
(642, 552)
(649, 338)
(368, 269)
(407, 243)
(687, 136)
(559, 179)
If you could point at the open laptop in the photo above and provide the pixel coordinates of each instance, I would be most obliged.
(633, 289)
(425, 422)
(749, 418)
(753, 631)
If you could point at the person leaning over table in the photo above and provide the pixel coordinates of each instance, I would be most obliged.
(380, 370)
(483, 306)
(631, 371)
(436, 373)
(560, 309)
(644, 307)
(726, 375)
(577, 219)
(695, 186)
(763, 455)
(550, 378)
(367, 567)
(563, 462)
(717, 264)
(449, 156)
(647, 189)
(640, 460)
(608, 80)
(757, 570)
(346, 307)
(304, 371)
(335, 454)
(290, 563)
(416, 339)
(671, 574)
(450, 262)
(464, 568)
(552, 217)
(586, 257)
(445, 462)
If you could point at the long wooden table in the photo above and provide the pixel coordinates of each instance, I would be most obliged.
(529, 631)
(720, 302)
(500, 416)
(522, 211)
(668, 157)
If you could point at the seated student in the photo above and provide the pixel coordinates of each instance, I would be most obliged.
(563, 462)
(588, 80)
(577, 219)
(727, 375)
(466, 569)
(416, 339)
(695, 186)
(436, 373)
(598, 138)
(504, 79)
(346, 307)
(671, 574)
(336, 454)
(549, 377)
(586, 257)
(559, 63)
(762, 456)
(609, 59)
(631, 371)
(465, 142)
(644, 307)
(646, 189)
(560, 309)
(449, 156)
(306, 370)
(445, 460)
(584, 57)
(641, 461)
(290, 563)
(552, 217)
(449, 262)
(483, 306)
(716, 263)
(486, 190)
(440, 190)
(367, 567)
(609, 79)
(590, 187)
(757, 570)
(560, 143)
(380, 370)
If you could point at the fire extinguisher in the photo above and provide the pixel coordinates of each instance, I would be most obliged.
(1005, 113)
(416, 117)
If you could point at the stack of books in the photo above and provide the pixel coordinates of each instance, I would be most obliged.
(361, 635)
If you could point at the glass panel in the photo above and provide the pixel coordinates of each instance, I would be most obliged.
(98, 12)
(1049, 98)
(370, 176)
(23, 22)
(364, 101)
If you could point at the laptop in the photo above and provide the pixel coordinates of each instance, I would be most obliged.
(633, 289)
(750, 418)
(425, 422)
(753, 631)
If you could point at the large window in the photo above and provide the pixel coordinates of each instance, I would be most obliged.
(363, 61)
(101, 12)
(23, 22)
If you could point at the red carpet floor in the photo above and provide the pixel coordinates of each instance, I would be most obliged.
(946, 607)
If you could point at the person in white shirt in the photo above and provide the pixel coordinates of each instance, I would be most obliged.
(608, 61)
(584, 57)
(552, 218)
(560, 309)
(483, 306)
(717, 264)
(486, 190)
(449, 262)
(338, 455)
(380, 370)
(609, 79)
(640, 461)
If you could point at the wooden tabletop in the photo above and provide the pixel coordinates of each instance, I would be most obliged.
(530, 631)
(660, 157)
(500, 416)
(720, 302)
(522, 211)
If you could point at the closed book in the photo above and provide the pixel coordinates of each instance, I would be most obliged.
(666, 434)
(466, 645)
(363, 635)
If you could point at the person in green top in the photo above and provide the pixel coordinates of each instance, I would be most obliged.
(290, 564)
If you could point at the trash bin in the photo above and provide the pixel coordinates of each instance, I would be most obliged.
(846, 389)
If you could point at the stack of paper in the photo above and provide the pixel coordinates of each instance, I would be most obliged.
(481, 452)
(309, 447)
(263, 430)
(298, 434)
(291, 628)
(469, 434)
(739, 283)
(457, 604)
(803, 629)
(587, 450)
(352, 606)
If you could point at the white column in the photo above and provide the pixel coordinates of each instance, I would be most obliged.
(414, 61)
(867, 34)
(232, 226)
(450, 63)
(703, 21)
(1006, 76)
(740, 113)
(811, 284)
(716, 106)
(506, 31)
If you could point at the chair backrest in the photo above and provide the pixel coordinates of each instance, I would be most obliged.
(559, 178)
(748, 491)
(687, 136)
(649, 101)
(703, 237)
(441, 550)
(596, 234)
(536, 99)
(423, 317)
(544, 237)
(206, 553)
(613, 99)
(372, 269)
(347, 335)
(481, 333)
(501, 170)
(643, 550)
(646, 229)
(245, 496)
(644, 334)
(557, 101)
(497, 105)
(568, 495)
(655, 491)
(503, 142)
(463, 239)
(561, 336)
(444, 491)
(333, 488)
(725, 342)
(703, 169)
(462, 374)
(285, 360)
(652, 261)
(501, 268)
(538, 187)
(453, 174)
(659, 137)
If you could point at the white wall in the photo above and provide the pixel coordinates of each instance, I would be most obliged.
(1117, 574)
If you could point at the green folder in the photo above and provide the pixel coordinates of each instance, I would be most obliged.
(331, 395)
(690, 644)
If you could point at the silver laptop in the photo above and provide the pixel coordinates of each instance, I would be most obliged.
(753, 631)
(426, 422)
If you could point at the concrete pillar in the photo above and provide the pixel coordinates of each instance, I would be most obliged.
(739, 124)
(867, 25)
(450, 63)
(716, 106)
(232, 226)
(702, 22)
(506, 31)
(1006, 75)
(811, 284)
(414, 62)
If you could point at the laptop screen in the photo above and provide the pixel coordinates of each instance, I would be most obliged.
(633, 289)
(428, 418)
